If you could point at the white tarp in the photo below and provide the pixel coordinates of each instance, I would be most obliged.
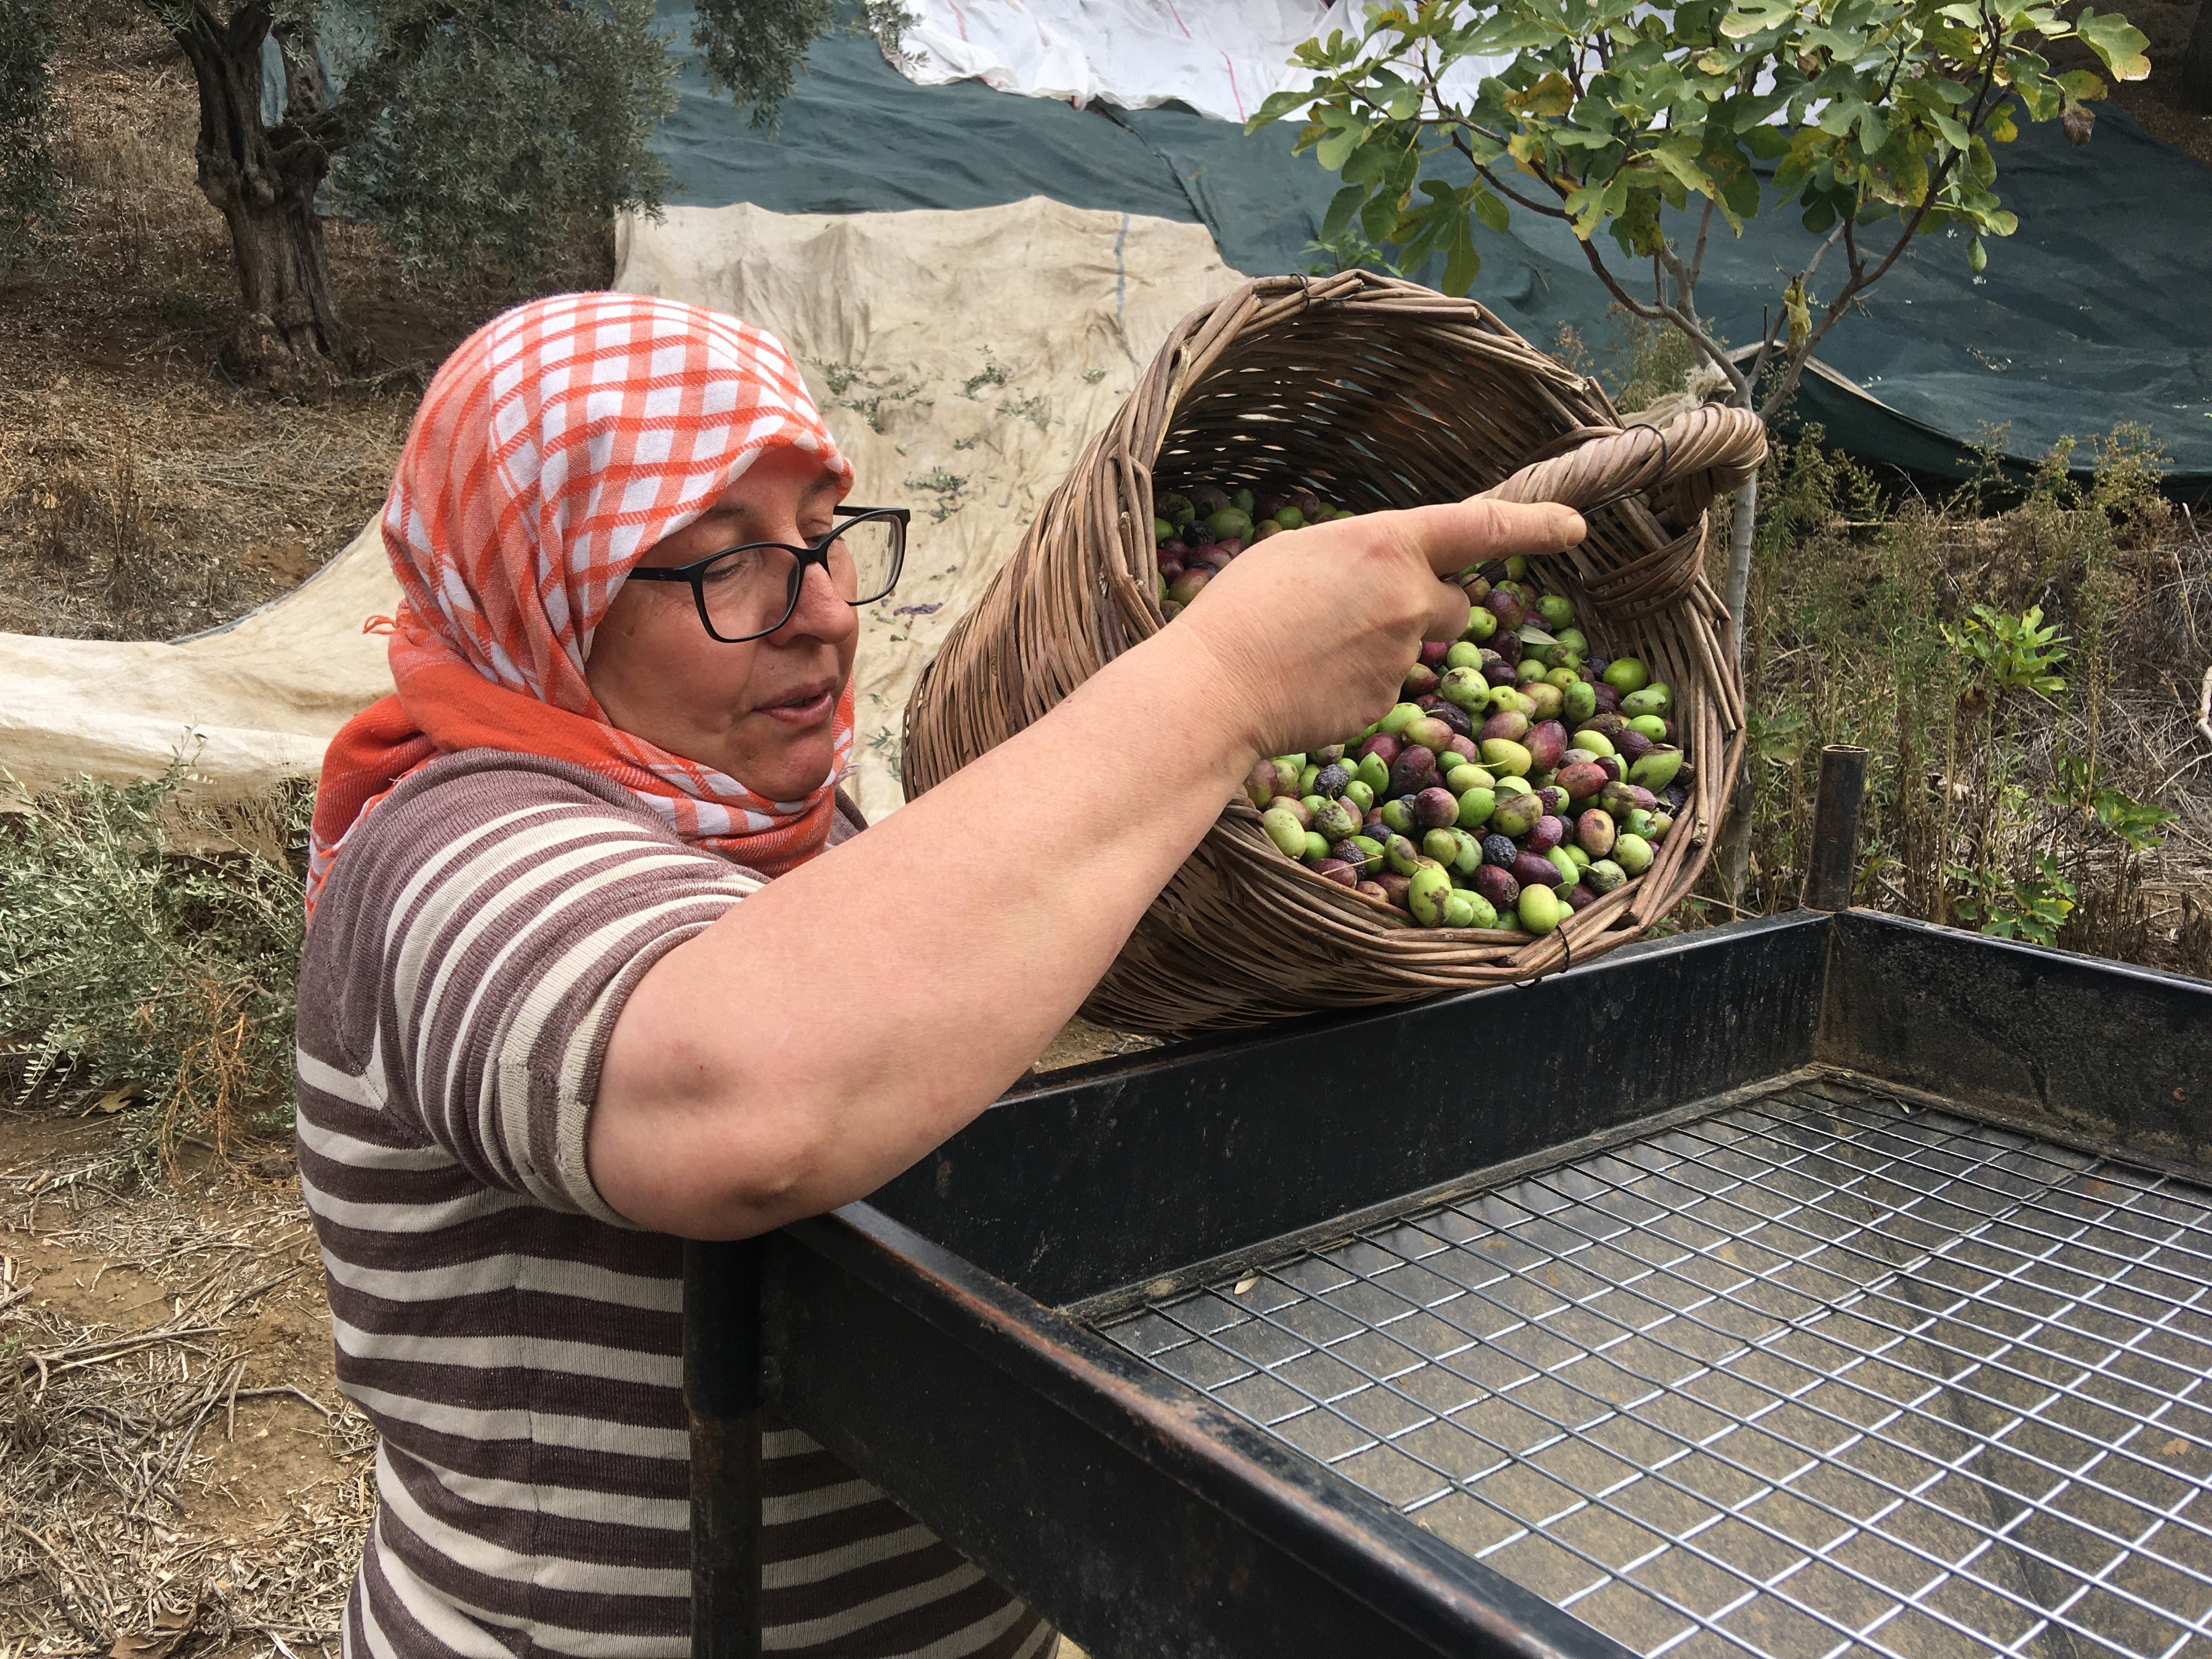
(1222, 58)
(960, 358)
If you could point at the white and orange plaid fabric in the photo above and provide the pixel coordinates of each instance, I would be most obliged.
(554, 447)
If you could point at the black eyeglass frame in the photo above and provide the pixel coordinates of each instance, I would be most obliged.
(818, 553)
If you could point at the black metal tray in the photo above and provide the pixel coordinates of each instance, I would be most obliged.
(1817, 1285)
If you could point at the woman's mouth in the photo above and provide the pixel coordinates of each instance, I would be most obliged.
(808, 706)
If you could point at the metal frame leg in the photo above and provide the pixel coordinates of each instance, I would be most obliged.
(721, 1394)
(1832, 866)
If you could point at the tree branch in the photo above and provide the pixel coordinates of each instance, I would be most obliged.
(1482, 172)
(1704, 229)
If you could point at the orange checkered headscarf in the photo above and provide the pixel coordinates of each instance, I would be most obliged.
(557, 444)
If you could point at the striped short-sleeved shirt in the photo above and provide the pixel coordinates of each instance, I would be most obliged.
(515, 1341)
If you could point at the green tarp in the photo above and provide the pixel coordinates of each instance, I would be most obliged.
(2098, 312)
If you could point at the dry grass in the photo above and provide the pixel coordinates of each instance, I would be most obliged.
(127, 1503)
(141, 494)
(1974, 798)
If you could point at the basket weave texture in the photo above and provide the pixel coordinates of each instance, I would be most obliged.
(1375, 393)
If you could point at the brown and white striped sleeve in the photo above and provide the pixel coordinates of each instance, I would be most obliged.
(517, 1343)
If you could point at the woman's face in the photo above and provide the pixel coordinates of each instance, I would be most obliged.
(763, 711)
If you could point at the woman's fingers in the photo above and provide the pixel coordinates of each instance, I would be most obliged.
(1458, 534)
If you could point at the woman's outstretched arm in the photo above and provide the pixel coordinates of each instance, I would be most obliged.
(836, 1025)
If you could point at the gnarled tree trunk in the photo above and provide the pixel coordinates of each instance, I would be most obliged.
(262, 181)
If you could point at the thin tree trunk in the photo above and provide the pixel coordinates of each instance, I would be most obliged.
(1741, 519)
(1734, 849)
(262, 181)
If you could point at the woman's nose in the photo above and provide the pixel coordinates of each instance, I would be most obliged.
(821, 613)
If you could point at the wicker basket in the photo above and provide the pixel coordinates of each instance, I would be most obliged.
(1377, 393)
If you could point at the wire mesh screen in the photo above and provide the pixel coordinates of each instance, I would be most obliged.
(1820, 1375)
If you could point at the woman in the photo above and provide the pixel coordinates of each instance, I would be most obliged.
(541, 1040)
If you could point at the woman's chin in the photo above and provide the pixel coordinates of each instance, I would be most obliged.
(802, 768)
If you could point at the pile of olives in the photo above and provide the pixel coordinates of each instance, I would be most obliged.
(1523, 778)
(1199, 532)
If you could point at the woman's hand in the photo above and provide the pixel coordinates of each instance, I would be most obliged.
(1314, 628)
(833, 1028)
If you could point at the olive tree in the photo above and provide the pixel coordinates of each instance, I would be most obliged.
(30, 194)
(472, 131)
(1647, 127)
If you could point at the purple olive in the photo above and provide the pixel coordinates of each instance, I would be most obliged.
(1547, 833)
(1338, 871)
(1436, 808)
(1432, 653)
(1384, 744)
(1534, 869)
(1420, 680)
(1581, 778)
(1579, 897)
(1454, 717)
(1499, 672)
(1332, 779)
(1393, 887)
(1414, 770)
(1173, 550)
(1506, 608)
(1608, 701)
(1497, 884)
(1547, 741)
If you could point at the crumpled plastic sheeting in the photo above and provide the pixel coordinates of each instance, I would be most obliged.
(1221, 58)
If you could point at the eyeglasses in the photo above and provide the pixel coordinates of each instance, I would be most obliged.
(748, 592)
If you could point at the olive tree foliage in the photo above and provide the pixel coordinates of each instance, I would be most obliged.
(473, 131)
(30, 185)
(1649, 127)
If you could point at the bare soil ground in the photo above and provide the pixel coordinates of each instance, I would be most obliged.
(174, 1456)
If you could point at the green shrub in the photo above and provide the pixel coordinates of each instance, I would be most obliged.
(150, 943)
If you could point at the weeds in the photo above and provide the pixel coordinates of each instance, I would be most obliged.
(873, 400)
(153, 944)
(2025, 681)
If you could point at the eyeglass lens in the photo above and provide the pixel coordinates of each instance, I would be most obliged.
(749, 590)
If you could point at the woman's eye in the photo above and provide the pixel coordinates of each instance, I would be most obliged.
(734, 567)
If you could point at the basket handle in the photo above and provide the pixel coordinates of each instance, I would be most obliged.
(1701, 452)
